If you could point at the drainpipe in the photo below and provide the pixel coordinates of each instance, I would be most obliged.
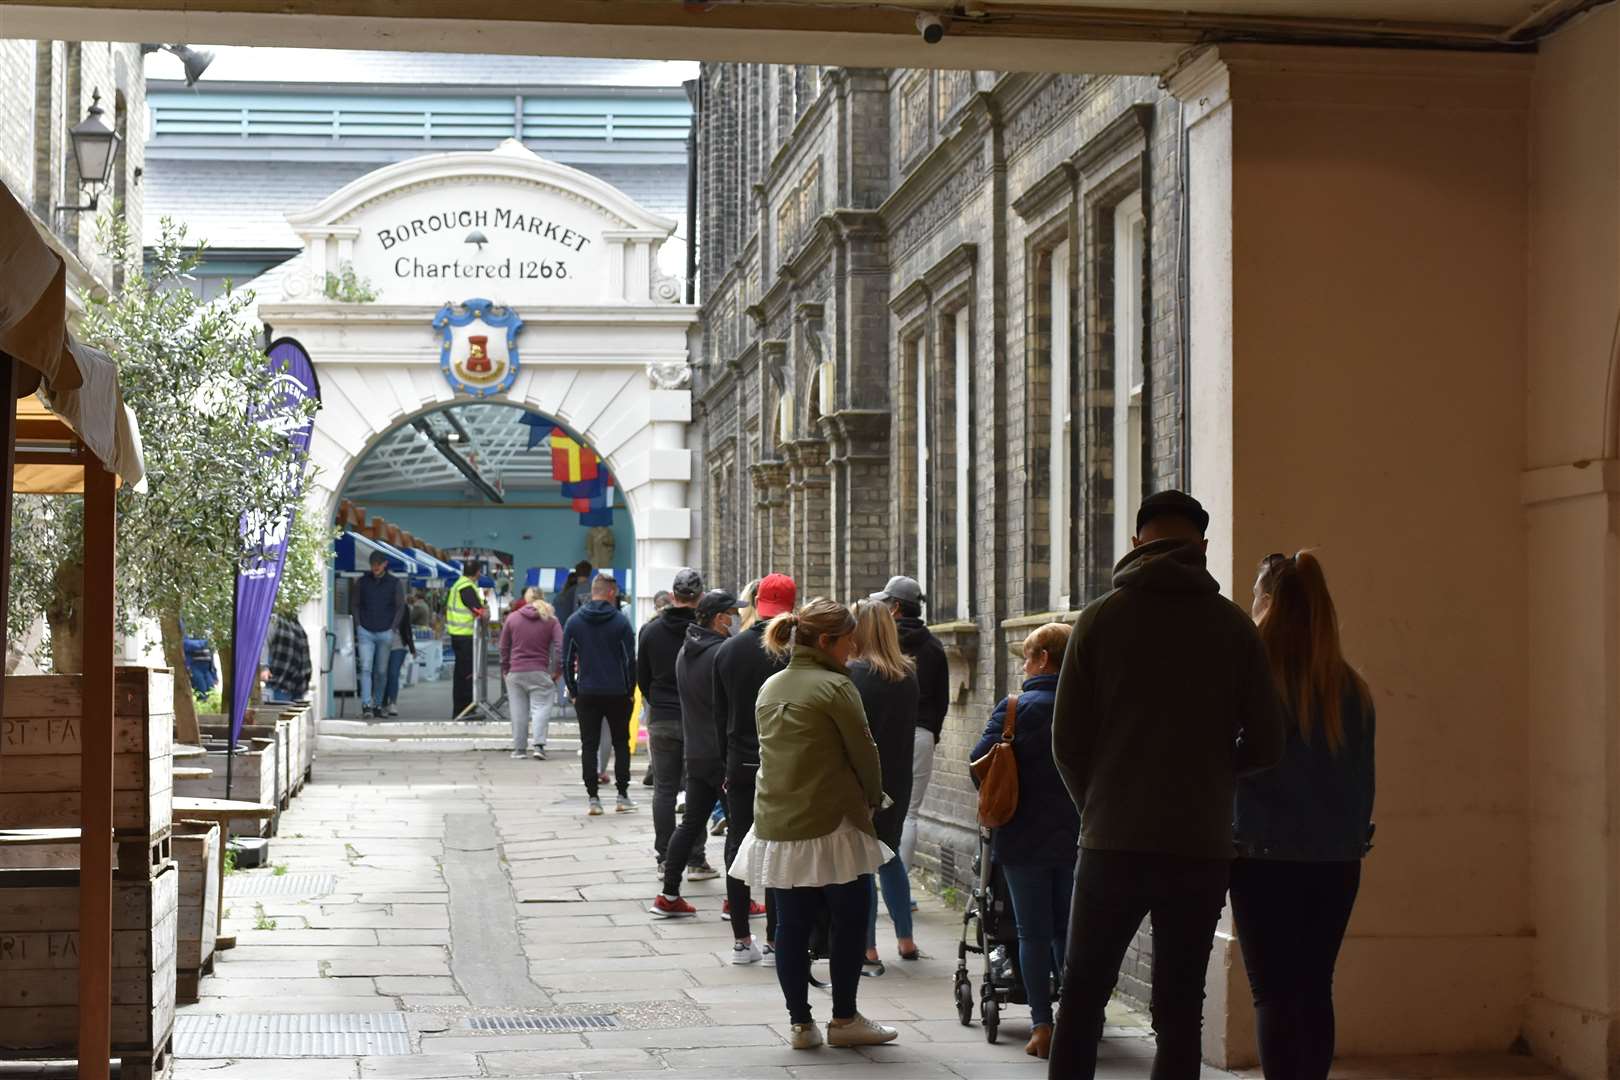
(694, 94)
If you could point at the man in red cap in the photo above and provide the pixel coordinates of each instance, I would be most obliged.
(741, 667)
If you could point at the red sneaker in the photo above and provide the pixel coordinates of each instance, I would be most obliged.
(665, 908)
(755, 908)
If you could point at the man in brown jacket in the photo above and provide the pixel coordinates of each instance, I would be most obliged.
(1164, 699)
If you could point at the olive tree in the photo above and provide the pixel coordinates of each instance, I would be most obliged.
(196, 376)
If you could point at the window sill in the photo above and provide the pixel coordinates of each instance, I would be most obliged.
(961, 641)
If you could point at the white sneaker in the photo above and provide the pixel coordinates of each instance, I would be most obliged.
(860, 1032)
(746, 954)
(768, 956)
(518, 755)
(806, 1036)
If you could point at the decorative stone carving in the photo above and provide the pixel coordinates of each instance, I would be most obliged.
(599, 546)
(1059, 96)
(945, 203)
(668, 375)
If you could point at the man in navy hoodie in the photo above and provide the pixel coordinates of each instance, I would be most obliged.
(599, 666)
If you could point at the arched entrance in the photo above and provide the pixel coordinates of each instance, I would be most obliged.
(496, 277)
(493, 481)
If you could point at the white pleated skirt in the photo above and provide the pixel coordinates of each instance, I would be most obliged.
(842, 855)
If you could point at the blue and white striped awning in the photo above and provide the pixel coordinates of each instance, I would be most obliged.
(352, 555)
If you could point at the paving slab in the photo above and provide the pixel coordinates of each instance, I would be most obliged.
(533, 1063)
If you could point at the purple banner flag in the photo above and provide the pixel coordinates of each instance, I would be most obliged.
(265, 540)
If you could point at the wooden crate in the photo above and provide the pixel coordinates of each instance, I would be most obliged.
(39, 962)
(264, 732)
(254, 777)
(196, 853)
(41, 741)
(289, 745)
(306, 719)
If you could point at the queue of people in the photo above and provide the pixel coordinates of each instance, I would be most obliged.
(1171, 749)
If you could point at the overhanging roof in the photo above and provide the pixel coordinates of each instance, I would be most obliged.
(78, 384)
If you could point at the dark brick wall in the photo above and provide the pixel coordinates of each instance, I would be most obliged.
(849, 212)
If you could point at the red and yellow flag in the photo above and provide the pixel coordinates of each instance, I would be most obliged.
(571, 462)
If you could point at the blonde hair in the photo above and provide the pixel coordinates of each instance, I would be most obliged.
(877, 642)
(817, 619)
(750, 613)
(1051, 639)
(535, 597)
(1300, 630)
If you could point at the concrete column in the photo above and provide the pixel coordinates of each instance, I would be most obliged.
(1572, 501)
(1357, 312)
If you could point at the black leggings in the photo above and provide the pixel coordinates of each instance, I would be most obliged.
(739, 819)
(1291, 918)
(846, 906)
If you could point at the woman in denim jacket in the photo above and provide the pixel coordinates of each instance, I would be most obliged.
(1302, 828)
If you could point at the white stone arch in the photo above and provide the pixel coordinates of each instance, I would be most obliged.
(603, 352)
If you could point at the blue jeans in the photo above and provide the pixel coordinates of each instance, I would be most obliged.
(1040, 898)
(396, 662)
(371, 648)
(896, 897)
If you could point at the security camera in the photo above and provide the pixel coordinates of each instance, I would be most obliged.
(931, 27)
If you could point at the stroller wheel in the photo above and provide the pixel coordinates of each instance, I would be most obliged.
(964, 999)
(992, 1018)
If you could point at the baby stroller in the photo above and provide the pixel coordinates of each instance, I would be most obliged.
(988, 930)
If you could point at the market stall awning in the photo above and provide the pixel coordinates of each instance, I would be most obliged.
(432, 566)
(78, 384)
(353, 555)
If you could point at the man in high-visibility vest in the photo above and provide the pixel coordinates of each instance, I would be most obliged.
(462, 610)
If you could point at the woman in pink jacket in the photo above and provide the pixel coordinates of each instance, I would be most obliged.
(531, 650)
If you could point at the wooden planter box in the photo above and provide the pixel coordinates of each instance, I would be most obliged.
(289, 745)
(254, 776)
(39, 967)
(41, 741)
(196, 854)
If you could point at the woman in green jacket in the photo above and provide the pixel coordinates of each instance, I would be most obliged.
(813, 841)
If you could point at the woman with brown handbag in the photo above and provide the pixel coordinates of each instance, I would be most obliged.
(1036, 846)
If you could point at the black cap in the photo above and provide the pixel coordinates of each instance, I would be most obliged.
(1172, 503)
(688, 584)
(714, 602)
(377, 557)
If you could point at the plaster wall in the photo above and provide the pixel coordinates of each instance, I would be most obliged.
(1372, 372)
(1573, 573)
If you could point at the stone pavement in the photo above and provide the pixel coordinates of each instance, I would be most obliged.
(434, 891)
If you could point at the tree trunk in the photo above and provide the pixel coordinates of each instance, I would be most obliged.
(185, 703)
(63, 617)
(227, 680)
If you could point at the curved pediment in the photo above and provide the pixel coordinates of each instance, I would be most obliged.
(505, 223)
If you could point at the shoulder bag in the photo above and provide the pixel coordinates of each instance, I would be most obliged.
(997, 773)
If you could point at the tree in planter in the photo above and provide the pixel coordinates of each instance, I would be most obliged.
(193, 373)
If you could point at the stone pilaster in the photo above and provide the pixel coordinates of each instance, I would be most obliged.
(809, 495)
(858, 460)
(770, 518)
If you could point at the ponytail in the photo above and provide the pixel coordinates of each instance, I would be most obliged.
(779, 633)
(817, 619)
(1300, 630)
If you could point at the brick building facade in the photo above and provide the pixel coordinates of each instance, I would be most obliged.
(942, 335)
(48, 89)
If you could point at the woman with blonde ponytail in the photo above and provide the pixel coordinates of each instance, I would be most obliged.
(1303, 827)
(813, 843)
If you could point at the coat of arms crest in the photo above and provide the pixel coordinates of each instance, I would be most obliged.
(478, 346)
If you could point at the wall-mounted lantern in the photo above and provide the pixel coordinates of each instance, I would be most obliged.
(94, 146)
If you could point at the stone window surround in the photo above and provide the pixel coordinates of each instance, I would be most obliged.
(1075, 201)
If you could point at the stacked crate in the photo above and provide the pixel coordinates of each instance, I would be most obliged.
(196, 853)
(257, 772)
(41, 742)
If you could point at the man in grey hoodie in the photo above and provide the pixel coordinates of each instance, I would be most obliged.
(1164, 699)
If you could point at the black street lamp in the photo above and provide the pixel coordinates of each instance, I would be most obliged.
(94, 144)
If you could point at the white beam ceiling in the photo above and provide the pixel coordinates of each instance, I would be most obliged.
(406, 460)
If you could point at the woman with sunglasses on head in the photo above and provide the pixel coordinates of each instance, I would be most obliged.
(812, 842)
(1303, 827)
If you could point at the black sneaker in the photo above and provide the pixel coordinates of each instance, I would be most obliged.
(367, 712)
(647, 780)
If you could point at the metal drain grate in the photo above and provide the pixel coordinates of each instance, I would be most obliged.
(291, 1035)
(537, 1022)
(259, 884)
